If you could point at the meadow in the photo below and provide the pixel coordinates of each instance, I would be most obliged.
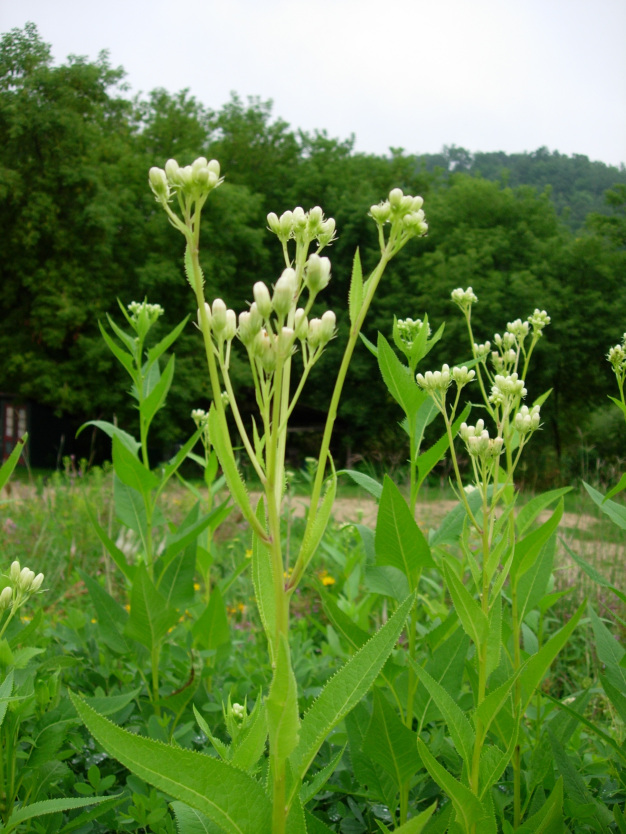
(349, 651)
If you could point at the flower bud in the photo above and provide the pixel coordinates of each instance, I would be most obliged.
(36, 583)
(395, 198)
(313, 337)
(273, 223)
(299, 219)
(464, 298)
(231, 326)
(246, 333)
(462, 376)
(198, 164)
(286, 225)
(316, 273)
(172, 169)
(219, 316)
(25, 579)
(327, 329)
(207, 310)
(327, 232)
(262, 299)
(214, 168)
(284, 343)
(6, 597)
(14, 573)
(301, 324)
(381, 213)
(315, 219)
(159, 184)
(284, 292)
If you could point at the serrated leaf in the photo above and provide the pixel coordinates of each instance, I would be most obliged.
(52, 806)
(390, 743)
(616, 512)
(312, 788)
(150, 616)
(399, 380)
(191, 821)
(213, 787)
(469, 809)
(110, 614)
(211, 629)
(355, 294)
(345, 689)
(536, 505)
(263, 581)
(472, 617)
(527, 550)
(283, 721)
(461, 732)
(113, 431)
(131, 471)
(369, 484)
(533, 584)
(399, 540)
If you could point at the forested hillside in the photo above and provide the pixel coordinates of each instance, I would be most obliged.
(81, 229)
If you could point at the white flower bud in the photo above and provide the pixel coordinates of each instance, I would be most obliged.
(327, 232)
(327, 329)
(214, 168)
(284, 292)
(199, 164)
(299, 219)
(284, 343)
(395, 198)
(301, 324)
(36, 583)
(286, 225)
(219, 316)
(14, 573)
(313, 338)
(316, 217)
(200, 417)
(262, 299)
(159, 184)
(246, 332)
(462, 376)
(172, 169)
(381, 213)
(464, 298)
(207, 310)
(25, 580)
(231, 326)
(273, 223)
(316, 273)
(6, 597)
(539, 320)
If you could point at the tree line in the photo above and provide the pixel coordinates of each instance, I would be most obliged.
(81, 228)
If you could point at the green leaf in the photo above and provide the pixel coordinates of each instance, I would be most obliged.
(312, 788)
(110, 614)
(427, 461)
(191, 821)
(531, 510)
(6, 688)
(370, 484)
(220, 438)
(469, 809)
(130, 509)
(549, 819)
(251, 743)
(472, 617)
(416, 824)
(11, 462)
(314, 532)
(226, 795)
(110, 704)
(51, 806)
(527, 550)
(159, 349)
(593, 573)
(399, 380)
(616, 512)
(283, 720)
(399, 540)
(461, 732)
(181, 455)
(446, 666)
(124, 357)
(386, 580)
(390, 743)
(355, 294)
(112, 549)
(113, 431)
(150, 616)
(620, 486)
(344, 690)
(131, 471)
(380, 786)
(533, 584)
(211, 629)
(263, 581)
(451, 528)
(537, 665)
(156, 398)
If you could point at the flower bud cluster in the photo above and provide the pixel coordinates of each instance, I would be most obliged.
(200, 417)
(518, 328)
(302, 226)
(617, 358)
(435, 382)
(222, 320)
(482, 351)
(137, 309)
(464, 298)
(409, 330)
(403, 209)
(22, 583)
(462, 376)
(507, 388)
(538, 320)
(478, 442)
(527, 419)
(193, 182)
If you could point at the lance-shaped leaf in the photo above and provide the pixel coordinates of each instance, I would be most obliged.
(131, 471)
(527, 550)
(399, 541)
(461, 732)
(156, 398)
(113, 431)
(211, 629)
(112, 549)
(413, 826)
(11, 462)
(315, 531)
(468, 807)
(399, 380)
(110, 614)
(218, 432)
(150, 616)
(355, 294)
(531, 510)
(54, 806)
(549, 819)
(226, 795)
(283, 721)
(344, 690)
(472, 617)
(167, 341)
(263, 581)
(390, 743)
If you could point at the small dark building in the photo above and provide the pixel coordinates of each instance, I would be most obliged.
(50, 438)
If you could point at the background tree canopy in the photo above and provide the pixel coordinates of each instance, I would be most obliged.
(81, 228)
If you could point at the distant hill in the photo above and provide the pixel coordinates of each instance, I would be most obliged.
(576, 184)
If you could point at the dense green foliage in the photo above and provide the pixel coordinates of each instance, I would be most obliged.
(80, 228)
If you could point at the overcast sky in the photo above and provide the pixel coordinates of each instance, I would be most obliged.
(511, 75)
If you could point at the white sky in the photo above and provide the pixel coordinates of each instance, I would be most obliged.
(484, 74)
